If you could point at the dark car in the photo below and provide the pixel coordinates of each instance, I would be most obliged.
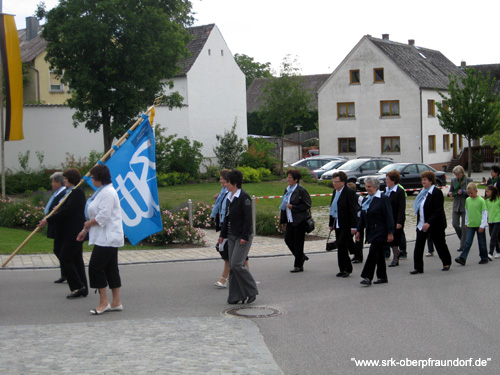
(359, 167)
(410, 175)
(317, 173)
(316, 162)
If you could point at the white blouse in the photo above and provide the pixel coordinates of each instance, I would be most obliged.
(106, 210)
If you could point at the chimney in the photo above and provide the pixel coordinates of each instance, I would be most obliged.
(411, 42)
(463, 65)
(31, 27)
(385, 36)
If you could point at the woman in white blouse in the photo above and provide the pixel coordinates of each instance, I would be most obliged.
(105, 229)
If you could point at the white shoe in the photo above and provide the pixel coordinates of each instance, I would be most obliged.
(490, 257)
(497, 255)
(429, 255)
(220, 285)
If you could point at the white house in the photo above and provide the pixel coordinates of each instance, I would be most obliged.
(212, 84)
(380, 101)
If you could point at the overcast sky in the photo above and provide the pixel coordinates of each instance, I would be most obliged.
(320, 33)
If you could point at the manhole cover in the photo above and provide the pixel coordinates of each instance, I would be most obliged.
(254, 312)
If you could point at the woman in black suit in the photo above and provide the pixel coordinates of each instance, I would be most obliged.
(295, 210)
(68, 221)
(376, 219)
(237, 228)
(431, 222)
(397, 198)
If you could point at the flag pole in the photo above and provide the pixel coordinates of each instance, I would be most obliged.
(106, 156)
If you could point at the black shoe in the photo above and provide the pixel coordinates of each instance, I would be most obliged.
(306, 258)
(251, 299)
(483, 261)
(235, 302)
(381, 281)
(366, 282)
(460, 261)
(297, 269)
(82, 292)
(446, 268)
(340, 274)
(356, 261)
(415, 272)
(60, 280)
(346, 274)
(394, 264)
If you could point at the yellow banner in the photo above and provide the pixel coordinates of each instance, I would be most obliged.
(13, 73)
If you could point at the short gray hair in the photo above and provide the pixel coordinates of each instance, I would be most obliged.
(374, 181)
(57, 177)
(458, 170)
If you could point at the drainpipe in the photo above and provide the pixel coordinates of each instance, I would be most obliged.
(421, 130)
(37, 82)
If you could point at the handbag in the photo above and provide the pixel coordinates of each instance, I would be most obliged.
(309, 223)
(330, 245)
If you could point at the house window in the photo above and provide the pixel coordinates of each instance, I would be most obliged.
(209, 52)
(432, 143)
(389, 108)
(55, 83)
(345, 110)
(391, 144)
(222, 52)
(446, 142)
(431, 108)
(347, 145)
(354, 74)
(378, 75)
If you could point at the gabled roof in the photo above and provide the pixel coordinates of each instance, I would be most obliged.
(494, 70)
(32, 48)
(426, 67)
(199, 36)
(311, 82)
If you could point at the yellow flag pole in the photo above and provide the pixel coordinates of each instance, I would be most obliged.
(106, 156)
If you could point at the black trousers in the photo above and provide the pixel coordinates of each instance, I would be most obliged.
(103, 268)
(57, 251)
(376, 259)
(295, 236)
(439, 241)
(72, 266)
(358, 246)
(343, 237)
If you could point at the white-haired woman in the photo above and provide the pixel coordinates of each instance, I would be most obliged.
(376, 219)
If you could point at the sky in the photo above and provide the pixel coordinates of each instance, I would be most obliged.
(321, 33)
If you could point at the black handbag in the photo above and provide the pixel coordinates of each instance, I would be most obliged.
(309, 225)
(330, 245)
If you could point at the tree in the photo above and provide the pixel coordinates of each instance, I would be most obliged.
(116, 56)
(229, 148)
(470, 107)
(284, 101)
(252, 69)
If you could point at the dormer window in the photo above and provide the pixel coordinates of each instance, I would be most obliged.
(354, 77)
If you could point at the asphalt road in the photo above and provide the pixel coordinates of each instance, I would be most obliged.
(328, 323)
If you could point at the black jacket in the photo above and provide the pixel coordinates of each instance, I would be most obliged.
(347, 209)
(434, 210)
(239, 214)
(377, 219)
(398, 204)
(69, 218)
(301, 206)
(51, 228)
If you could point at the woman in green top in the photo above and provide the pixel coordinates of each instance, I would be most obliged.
(493, 205)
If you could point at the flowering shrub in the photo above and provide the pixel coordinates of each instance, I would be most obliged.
(176, 229)
(201, 215)
(268, 224)
(20, 214)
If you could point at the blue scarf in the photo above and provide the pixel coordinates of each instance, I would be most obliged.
(218, 202)
(333, 208)
(49, 203)
(90, 201)
(286, 197)
(366, 203)
(222, 214)
(420, 198)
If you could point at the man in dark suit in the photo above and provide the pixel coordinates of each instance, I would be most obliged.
(343, 218)
(58, 188)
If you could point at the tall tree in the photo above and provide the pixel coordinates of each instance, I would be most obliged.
(116, 56)
(252, 69)
(470, 107)
(284, 101)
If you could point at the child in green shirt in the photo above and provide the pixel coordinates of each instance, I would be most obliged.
(476, 217)
(493, 206)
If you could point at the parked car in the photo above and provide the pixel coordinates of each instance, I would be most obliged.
(317, 173)
(359, 167)
(410, 175)
(310, 153)
(316, 162)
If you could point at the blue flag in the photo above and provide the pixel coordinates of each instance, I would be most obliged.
(133, 172)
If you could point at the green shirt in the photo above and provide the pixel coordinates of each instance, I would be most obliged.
(493, 210)
(474, 208)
